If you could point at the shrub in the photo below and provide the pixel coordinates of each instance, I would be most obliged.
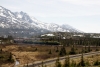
(10, 59)
(82, 62)
(50, 52)
(62, 51)
(57, 50)
(67, 62)
(35, 49)
(96, 63)
(58, 64)
(72, 51)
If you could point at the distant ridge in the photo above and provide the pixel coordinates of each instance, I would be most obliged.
(21, 24)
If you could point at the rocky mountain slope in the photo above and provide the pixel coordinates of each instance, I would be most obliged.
(21, 24)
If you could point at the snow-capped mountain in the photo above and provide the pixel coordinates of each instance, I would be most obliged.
(21, 23)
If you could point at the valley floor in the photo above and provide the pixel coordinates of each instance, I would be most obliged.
(31, 53)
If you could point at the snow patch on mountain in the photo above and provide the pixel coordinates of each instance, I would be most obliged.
(22, 21)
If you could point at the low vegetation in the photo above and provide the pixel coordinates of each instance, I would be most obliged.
(30, 53)
(91, 61)
(6, 57)
(47, 48)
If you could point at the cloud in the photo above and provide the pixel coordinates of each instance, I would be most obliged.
(55, 8)
(83, 2)
(82, 14)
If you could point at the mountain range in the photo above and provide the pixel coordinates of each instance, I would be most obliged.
(21, 24)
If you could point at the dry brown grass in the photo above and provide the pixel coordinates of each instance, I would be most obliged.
(25, 57)
(90, 59)
(7, 65)
(28, 54)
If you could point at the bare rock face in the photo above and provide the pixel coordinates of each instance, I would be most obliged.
(21, 24)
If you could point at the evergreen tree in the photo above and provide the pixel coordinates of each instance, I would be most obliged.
(57, 50)
(10, 58)
(97, 48)
(0, 50)
(73, 64)
(35, 49)
(82, 62)
(72, 50)
(96, 63)
(85, 49)
(89, 48)
(87, 63)
(42, 64)
(58, 64)
(62, 51)
(67, 62)
(50, 52)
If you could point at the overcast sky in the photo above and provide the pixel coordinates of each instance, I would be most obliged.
(81, 14)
